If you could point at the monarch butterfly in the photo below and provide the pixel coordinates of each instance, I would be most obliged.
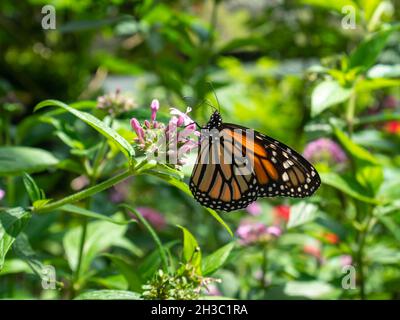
(222, 178)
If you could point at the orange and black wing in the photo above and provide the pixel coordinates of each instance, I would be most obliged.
(233, 170)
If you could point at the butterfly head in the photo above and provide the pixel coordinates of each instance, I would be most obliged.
(215, 121)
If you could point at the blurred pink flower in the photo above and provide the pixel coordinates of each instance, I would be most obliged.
(79, 183)
(324, 150)
(120, 192)
(274, 231)
(155, 218)
(312, 250)
(251, 232)
(155, 105)
(346, 260)
(2, 194)
(389, 102)
(115, 102)
(254, 209)
(212, 290)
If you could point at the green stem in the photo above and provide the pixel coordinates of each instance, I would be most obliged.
(351, 107)
(86, 193)
(264, 266)
(360, 254)
(80, 254)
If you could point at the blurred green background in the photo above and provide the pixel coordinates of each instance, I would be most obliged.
(290, 69)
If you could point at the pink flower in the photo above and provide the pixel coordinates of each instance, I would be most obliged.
(346, 260)
(251, 232)
(274, 231)
(212, 290)
(138, 129)
(79, 183)
(155, 105)
(312, 250)
(2, 194)
(389, 102)
(254, 209)
(155, 218)
(120, 192)
(324, 150)
(167, 143)
(183, 118)
(115, 103)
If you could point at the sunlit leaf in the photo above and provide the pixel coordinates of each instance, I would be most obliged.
(12, 222)
(326, 94)
(215, 260)
(16, 160)
(302, 213)
(95, 123)
(109, 295)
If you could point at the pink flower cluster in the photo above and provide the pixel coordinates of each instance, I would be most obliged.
(324, 150)
(166, 143)
(115, 103)
(252, 232)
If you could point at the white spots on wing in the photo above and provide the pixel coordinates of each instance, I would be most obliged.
(285, 176)
(273, 160)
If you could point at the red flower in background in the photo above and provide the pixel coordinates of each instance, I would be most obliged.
(312, 250)
(331, 238)
(392, 127)
(282, 213)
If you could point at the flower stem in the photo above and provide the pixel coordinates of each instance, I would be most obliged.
(85, 193)
(264, 266)
(351, 106)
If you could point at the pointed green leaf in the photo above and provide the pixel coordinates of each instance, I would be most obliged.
(215, 260)
(95, 123)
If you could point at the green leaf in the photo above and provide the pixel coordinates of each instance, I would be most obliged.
(90, 214)
(127, 270)
(12, 222)
(302, 213)
(33, 190)
(326, 94)
(348, 186)
(375, 84)
(311, 290)
(16, 160)
(23, 250)
(109, 295)
(383, 254)
(358, 153)
(153, 234)
(191, 249)
(100, 236)
(366, 54)
(215, 260)
(381, 71)
(184, 187)
(330, 5)
(95, 123)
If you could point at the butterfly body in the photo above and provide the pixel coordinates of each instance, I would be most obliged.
(237, 165)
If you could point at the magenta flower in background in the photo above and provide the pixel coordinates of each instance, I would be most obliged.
(166, 143)
(2, 194)
(346, 260)
(254, 209)
(251, 232)
(155, 218)
(389, 102)
(324, 150)
(120, 192)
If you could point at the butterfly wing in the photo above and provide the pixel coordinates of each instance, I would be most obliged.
(222, 180)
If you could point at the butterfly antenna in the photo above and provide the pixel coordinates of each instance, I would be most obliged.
(215, 95)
